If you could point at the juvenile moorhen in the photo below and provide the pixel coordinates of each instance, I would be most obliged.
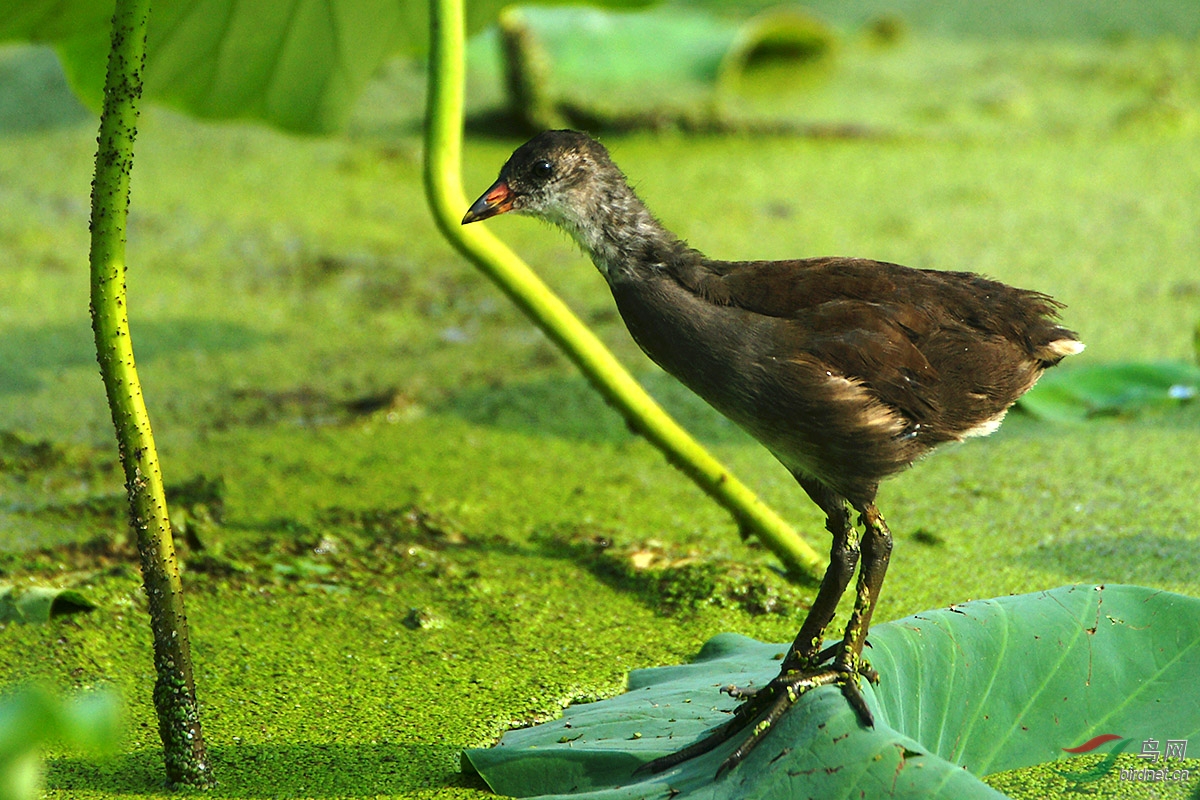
(847, 370)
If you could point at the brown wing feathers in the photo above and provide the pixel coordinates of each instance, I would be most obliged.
(947, 349)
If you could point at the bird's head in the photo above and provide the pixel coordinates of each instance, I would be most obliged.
(552, 176)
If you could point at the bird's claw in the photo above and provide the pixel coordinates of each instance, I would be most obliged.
(740, 692)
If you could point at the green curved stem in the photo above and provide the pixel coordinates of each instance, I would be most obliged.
(174, 690)
(443, 187)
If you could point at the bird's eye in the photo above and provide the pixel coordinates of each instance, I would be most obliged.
(542, 168)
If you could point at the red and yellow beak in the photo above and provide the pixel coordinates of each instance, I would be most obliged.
(496, 200)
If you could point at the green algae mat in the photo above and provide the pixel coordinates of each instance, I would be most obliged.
(982, 687)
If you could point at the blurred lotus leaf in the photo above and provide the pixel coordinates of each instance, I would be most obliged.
(1106, 390)
(33, 716)
(563, 66)
(39, 604)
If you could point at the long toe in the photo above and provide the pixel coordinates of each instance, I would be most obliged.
(764, 706)
(743, 716)
(787, 690)
(853, 694)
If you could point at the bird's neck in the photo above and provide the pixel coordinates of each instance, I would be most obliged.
(623, 238)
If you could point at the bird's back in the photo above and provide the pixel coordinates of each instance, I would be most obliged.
(847, 369)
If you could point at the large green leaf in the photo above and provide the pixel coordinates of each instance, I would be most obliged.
(297, 64)
(988, 686)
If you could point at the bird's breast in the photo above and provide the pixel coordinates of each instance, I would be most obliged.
(711, 349)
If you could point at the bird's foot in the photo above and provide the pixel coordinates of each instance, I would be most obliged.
(764, 706)
(812, 662)
(811, 666)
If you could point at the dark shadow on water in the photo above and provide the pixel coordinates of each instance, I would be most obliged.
(1149, 560)
(278, 771)
(569, 408)
(27, 353)
(35, 94)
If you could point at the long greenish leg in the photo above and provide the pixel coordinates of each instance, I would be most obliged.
(771, 700)
(801, 670)
(876, 553)
(783, 692)
(843, 557)
(765, 705)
